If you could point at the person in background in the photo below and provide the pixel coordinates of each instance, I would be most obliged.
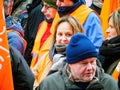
(81, 71)
(65, 28)
(19, 11)
(35, 17)
(23, 78)
(97, 5)
(42, 42)
(87, 17)
(109, 52)
(15, 32)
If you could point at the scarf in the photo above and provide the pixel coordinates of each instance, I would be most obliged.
(110, 51)
(65, 10)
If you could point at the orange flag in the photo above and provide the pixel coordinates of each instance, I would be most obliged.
(6, 81)
(108, 7)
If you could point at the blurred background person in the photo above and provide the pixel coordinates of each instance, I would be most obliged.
(110, 49)
(42, 42)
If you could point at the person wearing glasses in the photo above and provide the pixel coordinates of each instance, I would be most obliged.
(81, 71)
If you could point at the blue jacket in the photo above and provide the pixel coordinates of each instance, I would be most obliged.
(14, 33)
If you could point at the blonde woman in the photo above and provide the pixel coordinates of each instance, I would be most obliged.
(110, 49)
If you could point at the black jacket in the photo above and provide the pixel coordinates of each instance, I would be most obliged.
(23, 78)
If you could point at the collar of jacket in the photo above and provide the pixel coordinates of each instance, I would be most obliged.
(110, 47)
(65, 10)
(95, 84)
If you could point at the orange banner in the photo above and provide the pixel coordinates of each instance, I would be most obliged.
(108, 7)
(6, 81)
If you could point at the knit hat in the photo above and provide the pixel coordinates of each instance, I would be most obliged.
(51, 3)
(79, 48)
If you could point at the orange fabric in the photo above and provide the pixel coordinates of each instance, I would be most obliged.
(116, 72)
(36, 46)
(108, 7)
(41, 62)
(6, 81)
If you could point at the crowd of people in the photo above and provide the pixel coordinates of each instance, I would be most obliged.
(59, 45)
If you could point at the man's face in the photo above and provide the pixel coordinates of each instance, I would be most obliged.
(48, 11)
(64, 3)
(84, 70)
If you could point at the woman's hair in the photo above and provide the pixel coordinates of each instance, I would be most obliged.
(74, 23)
(116, 20)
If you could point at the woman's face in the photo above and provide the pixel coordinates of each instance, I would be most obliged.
(64, 33)
(111, 31)
(48, 11)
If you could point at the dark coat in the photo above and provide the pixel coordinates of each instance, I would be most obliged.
(23, 78)
(109, 52)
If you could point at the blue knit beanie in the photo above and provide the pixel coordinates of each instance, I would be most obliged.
(79, 48)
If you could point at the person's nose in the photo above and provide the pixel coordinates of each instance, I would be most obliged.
(108, 30)
(43, 10)
(64, 39)
(89, 66)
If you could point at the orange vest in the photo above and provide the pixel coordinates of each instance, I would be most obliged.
(43, 64)
(81, 13)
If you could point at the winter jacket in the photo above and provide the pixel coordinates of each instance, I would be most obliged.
(23, 78)
(15, 34)
(60, 81)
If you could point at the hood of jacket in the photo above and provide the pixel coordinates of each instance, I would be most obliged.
(11, 24)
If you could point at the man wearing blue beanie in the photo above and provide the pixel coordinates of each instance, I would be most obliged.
(80, 48)
(81, 71)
